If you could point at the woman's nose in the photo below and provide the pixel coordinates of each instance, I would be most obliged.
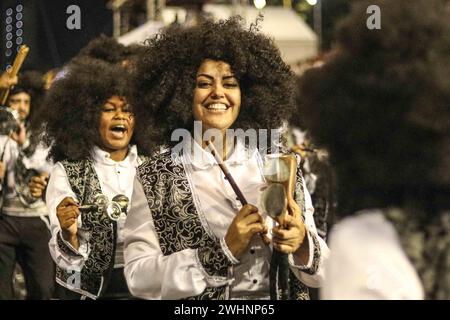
(218, 91)
(120, 115)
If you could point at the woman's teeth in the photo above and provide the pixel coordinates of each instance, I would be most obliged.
(120, 128)
(217, 106)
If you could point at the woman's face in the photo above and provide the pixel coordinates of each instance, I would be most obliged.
(116, 124)
(217, 95)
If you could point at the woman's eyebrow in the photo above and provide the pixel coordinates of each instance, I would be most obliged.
(211, 77)
(205, 75)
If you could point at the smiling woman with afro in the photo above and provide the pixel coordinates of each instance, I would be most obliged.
(186, 227)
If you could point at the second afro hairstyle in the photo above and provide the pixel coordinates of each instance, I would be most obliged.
(73, 107)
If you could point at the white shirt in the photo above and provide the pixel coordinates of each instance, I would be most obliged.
(179, 275)
(37, 161)
(10, 151)
(368, 262)
(114, 177)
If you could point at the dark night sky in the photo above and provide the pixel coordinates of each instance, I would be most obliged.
(45, 32)
(52, 44)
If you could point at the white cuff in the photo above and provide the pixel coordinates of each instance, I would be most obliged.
(227, 252)
(83, 249)
(294, 262)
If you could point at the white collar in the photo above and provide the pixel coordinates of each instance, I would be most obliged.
(202, 159)
(102, 156)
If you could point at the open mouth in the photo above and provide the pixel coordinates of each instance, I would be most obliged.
(217, 107)
(119, 130)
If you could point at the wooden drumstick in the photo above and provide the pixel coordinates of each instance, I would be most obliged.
(18, 61)
(227, 174)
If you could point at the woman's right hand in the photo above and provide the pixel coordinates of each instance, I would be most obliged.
(67, 212)
(244, 226)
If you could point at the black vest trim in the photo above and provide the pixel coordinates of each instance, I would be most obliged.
(176, 220)
(102, 241)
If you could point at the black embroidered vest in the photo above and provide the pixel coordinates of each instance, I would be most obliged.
(179, 227)
(102, 241)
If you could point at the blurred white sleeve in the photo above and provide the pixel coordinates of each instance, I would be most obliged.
(367, 262)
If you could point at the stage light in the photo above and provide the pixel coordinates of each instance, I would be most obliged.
(9, 36)
(312, 2)
(19, 32)
(19, 8)
(19, 24)
(8, 20)
(8, 52)
(9, 44)
(9, 12)
(19, 16)
(19, 40)
(259, 4)
(8, 28)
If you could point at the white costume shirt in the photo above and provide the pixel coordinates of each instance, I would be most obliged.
(151, 275)
(115, 178)
(368, 262)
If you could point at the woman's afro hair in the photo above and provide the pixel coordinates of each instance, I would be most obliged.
(381, 104)
(103, 48)
(165, 77)
(73, 107)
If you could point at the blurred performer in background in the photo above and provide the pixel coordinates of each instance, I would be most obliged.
(319, 179)
(89, 127)
(24, 225)
(381, 107)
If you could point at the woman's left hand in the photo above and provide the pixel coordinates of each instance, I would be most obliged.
(289, 235)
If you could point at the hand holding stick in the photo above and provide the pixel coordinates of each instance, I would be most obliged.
(232, 182)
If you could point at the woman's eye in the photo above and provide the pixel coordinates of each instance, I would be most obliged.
(203, 84)
(231, 85)
(128, 108)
